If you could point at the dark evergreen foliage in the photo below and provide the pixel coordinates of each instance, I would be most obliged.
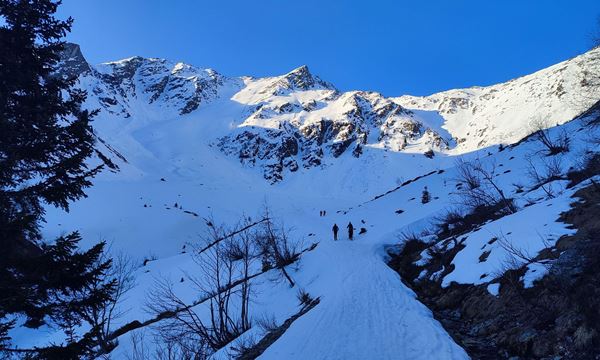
(45, 139)
(425, 196)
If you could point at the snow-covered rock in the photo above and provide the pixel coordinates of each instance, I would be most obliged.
(484, 116)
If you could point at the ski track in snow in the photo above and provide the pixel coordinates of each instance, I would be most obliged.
(365, 313)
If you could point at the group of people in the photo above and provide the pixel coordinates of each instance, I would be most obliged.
(336, 228)
(350, 231)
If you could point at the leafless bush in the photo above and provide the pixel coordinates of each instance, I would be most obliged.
(589, 166)
(166, 348)
(407, 236)
(304, 298)
(277, 248)
(184, 347)
(138, 347)
(449, 221)
(267, 323)
(482, 187)
(183, 321)
(241, 346)
(544, 174)
(226, 258)
(553, 144)
(225, 284)
(518, 256)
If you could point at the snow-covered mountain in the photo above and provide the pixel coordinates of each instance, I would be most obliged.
(188, 147)
(503, 113)
(297, 120)
(284, 122)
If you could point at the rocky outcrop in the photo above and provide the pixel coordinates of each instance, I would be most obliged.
(299, 79)
(283, 134)
(130, 83)
(176, 86)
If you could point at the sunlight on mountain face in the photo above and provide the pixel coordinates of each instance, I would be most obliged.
(190, 148)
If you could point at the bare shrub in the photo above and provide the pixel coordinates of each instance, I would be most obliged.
(553, 145)
(304, 298)
(407, 236)
(138, 347)
(450, 221)
(482, 188)
(518, 256)
(267, 323)
(242, 346)
(166, 348)
(544, 174)
(225, 258)
(225, 284)
(589, 166)
(277, 248)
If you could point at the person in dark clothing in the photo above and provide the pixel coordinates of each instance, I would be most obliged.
(350, 230)
(335, 231)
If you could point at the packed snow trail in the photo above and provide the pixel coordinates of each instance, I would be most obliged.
(365, 312)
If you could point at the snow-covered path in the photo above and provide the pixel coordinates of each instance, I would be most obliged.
(365, 312)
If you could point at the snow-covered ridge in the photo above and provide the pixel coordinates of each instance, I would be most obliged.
(483, 116)
(298, 121)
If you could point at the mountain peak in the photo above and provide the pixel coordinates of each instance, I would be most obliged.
(72, 63)
(302, 70)
(302, 79)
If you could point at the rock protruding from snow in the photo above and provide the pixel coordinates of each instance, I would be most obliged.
(125, 87)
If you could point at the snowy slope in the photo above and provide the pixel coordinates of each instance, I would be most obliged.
(224, 147)
(483, 116)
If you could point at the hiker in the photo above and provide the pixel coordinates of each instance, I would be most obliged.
(335, 231)
(350, 230)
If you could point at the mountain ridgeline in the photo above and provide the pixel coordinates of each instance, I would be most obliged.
(298, 121)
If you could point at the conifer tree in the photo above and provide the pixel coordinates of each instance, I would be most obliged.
(425, 196)
(45, 139)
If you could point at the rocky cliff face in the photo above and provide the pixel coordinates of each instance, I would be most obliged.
(121, 87)
(73, 64)
(315, 124)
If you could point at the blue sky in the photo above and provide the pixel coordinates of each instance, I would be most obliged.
(394, 47)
